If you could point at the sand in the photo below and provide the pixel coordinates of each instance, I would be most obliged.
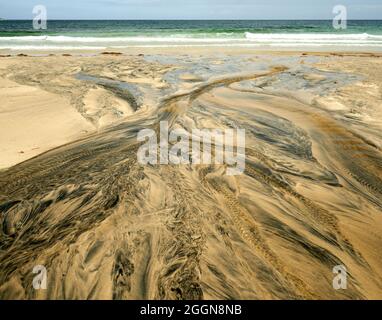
(74, 198)
(33, 121)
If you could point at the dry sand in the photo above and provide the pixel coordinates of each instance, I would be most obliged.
(106, 227)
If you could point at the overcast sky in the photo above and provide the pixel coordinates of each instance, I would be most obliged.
(191, 9)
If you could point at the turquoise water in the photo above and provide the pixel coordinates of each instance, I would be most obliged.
(19, 34)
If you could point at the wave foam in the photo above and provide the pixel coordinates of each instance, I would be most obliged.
(247, 38)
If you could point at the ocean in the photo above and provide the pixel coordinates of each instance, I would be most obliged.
(102, 34)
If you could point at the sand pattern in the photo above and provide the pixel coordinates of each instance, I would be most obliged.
(107, 227)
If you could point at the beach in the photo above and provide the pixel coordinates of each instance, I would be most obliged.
(75, 199)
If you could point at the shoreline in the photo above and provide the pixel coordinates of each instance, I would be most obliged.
(198, 50)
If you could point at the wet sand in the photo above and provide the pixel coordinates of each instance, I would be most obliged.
(74, 198)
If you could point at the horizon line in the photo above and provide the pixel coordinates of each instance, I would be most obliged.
(184, 19)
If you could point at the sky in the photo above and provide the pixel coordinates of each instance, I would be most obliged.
(190, 9)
